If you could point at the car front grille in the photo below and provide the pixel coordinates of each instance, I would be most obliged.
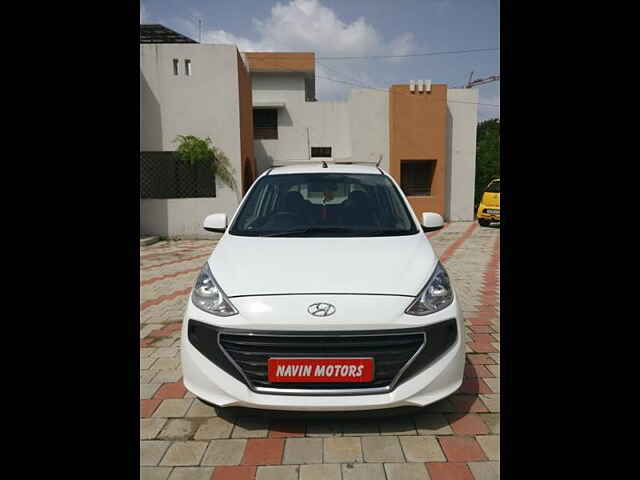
(244, 354)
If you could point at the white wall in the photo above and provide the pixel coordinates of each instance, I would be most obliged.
(177, 217)
(463, 116)
(369, 126)
(205, 104)
(356, 129)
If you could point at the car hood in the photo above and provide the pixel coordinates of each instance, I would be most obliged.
(245, 266)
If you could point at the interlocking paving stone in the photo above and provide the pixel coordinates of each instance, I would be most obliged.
(327, 429)
(234, 473)
(363, 471)
(449, 471)
(406, 471)
(224, 452)
(251, 427)
(165, 376)
(492, 401)
(150, 427)
(432, 424)
(263, 451)
(461, 449)
(215, 427)
(320, 472)
(146, 376)
(178, 429)
(151, 451)
(286, 430)
(360, 428)
(382, 449)
(191, 473)
(147, 362)
(166, 364)
(398, 426)
(491, 445)
(184, 454)
(467, 424)
(173, 407)
(280, 472)
(494, 384)
(422, 449)
(495, 369)
(485, 470)
(200, 409)
(147, 390)
(492, 420)
(155, 473)
(302, 451)
(342, 450)
(165, 352)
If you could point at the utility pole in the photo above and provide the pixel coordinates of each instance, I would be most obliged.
(200, 30)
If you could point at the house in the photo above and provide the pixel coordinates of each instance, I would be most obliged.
(261, 109)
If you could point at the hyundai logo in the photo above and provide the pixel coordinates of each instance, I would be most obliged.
(321, 309)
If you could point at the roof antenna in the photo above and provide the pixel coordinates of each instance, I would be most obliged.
(324, 164)
(379, 160)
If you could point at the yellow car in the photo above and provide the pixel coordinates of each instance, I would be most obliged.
(489, 209)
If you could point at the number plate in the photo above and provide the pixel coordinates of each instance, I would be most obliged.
(315, 370)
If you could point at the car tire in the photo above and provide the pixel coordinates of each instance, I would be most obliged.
(483, 222)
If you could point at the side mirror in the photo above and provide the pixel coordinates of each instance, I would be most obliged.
(432, 221)
(215, 223)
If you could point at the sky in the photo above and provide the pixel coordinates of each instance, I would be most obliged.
(348, 28)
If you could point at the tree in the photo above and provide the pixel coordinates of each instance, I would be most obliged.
(195, 150)
(487, 155)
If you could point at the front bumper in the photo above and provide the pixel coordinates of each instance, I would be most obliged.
(213, 384)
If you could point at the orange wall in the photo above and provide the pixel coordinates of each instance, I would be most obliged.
(280, 61)
(248, 160)
(418, 131)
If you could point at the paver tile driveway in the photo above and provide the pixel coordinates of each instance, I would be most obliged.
(457, 438)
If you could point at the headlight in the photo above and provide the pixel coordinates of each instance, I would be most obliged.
(208, 296)
(435, 296)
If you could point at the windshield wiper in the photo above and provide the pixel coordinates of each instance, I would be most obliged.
(302, 231)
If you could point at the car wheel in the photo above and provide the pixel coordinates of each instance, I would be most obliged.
(483, 222)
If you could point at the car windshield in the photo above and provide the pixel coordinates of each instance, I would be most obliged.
(324, 205)
(494, 187)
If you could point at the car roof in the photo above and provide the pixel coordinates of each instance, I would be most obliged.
(330, 168)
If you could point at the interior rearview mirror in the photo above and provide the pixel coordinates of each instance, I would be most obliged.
(432, 221)
(216, 222)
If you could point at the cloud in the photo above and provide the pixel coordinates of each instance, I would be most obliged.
(143, 14)
(308, 25)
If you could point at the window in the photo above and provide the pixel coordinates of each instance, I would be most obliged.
(324, 205)
(265, 123)
(416, 177)
(176, 66)
(187, 67)
(321, 152)
(494, 187)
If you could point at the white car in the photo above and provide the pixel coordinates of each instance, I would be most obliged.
(324, 293)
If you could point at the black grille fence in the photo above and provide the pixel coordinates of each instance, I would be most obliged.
(164, 175)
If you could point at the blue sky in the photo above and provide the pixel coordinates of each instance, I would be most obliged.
(354, 28)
